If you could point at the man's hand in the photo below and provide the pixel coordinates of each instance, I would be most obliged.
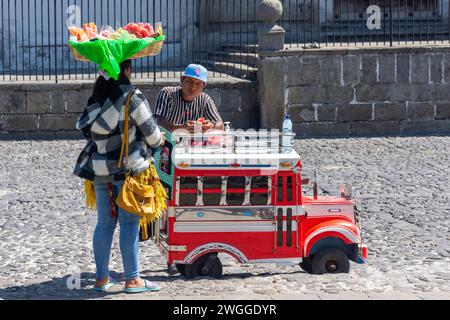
(219, 125)
(188, 127)
(207, 126)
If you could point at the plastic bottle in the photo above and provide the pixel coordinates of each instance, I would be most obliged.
(228, 139)
(287, 128)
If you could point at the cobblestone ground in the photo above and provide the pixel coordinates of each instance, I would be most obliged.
(403, 184)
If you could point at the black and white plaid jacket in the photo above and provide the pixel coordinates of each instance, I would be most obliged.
(103, 124)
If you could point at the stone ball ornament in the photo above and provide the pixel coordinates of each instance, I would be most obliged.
(270, 10)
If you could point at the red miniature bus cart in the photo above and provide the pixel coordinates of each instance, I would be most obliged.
(240, 193)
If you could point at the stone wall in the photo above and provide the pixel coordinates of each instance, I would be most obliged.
(328, 92)
(358, 91)
(41, 110)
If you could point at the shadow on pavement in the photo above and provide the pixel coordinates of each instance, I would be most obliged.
(81, 287)
(69, 287)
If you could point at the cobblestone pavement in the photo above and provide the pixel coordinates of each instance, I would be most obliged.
(46, 232)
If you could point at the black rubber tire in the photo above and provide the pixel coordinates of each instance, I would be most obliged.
(331, 260)
(306, 265)
(181, 268)
(196, 269)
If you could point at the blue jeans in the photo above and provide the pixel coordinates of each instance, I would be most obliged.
(104, 231)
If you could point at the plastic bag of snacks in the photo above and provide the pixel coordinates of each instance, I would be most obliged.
(88, 32)
(110, 47)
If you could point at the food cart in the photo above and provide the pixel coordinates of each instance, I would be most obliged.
(240, 193)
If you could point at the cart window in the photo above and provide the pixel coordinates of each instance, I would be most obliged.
(259, 191)
(289, 227)
(280, 189)
(211, 190)
(285, 189)
(289, 189)
(188, 183)
(188, 191)
(188, 199)
(280, 227)
(235, 191)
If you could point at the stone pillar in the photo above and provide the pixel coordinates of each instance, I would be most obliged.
(271, 72)
(272, 89)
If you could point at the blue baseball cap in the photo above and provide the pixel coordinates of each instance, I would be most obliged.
(196, 71)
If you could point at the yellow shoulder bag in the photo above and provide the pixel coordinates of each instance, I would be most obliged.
(134, 197)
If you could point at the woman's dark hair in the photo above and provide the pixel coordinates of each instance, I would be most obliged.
(103, 88)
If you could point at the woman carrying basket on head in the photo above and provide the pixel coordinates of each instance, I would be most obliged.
(103, 125)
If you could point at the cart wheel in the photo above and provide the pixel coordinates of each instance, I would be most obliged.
(306, 264)
(330, 260)
(208, 265)
(181, 268)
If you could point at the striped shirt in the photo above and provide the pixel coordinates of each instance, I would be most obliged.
(171, 106)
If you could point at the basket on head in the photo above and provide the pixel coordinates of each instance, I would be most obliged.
(76, 54)
(152, 49)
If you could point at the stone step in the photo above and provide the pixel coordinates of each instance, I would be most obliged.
(328, 34)
(299, 31)
(382, 34)
(410, 19)
(250, 59)
(403, 27)
(217, 39)
(233, 47)
(234, 69)
(237, 69)
(244, 26)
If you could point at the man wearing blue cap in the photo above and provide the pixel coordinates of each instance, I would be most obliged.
(177, 106)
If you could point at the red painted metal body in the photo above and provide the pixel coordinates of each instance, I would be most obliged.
(289, 227)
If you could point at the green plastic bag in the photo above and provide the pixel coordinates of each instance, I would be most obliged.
(108, 54)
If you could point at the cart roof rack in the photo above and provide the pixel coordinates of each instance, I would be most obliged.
(238, 149)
